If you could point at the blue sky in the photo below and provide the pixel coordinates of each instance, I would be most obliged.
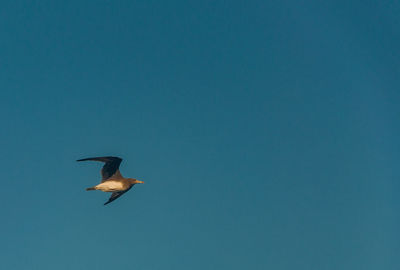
(266, 132)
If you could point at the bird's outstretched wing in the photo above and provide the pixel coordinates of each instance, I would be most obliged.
(110, 168)
(116, 195)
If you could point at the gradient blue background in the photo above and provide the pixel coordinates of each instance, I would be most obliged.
(267, 133)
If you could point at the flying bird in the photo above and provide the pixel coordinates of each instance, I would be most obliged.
(112, 180)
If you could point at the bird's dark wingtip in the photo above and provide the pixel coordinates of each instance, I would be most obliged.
(83, 159)
(103, 159)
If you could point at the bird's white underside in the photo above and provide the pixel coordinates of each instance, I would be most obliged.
(110, 186)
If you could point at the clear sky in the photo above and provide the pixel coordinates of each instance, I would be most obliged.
(267, 133)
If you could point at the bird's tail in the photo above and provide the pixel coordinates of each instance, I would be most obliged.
(90, 188)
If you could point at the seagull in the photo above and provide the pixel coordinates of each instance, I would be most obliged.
(112, 180)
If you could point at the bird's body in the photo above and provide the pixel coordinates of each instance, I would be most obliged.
(112, 180)
(112, 186)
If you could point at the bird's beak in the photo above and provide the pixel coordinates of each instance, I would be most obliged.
(139, 182)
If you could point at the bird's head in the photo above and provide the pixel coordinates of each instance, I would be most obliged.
(135, 181)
